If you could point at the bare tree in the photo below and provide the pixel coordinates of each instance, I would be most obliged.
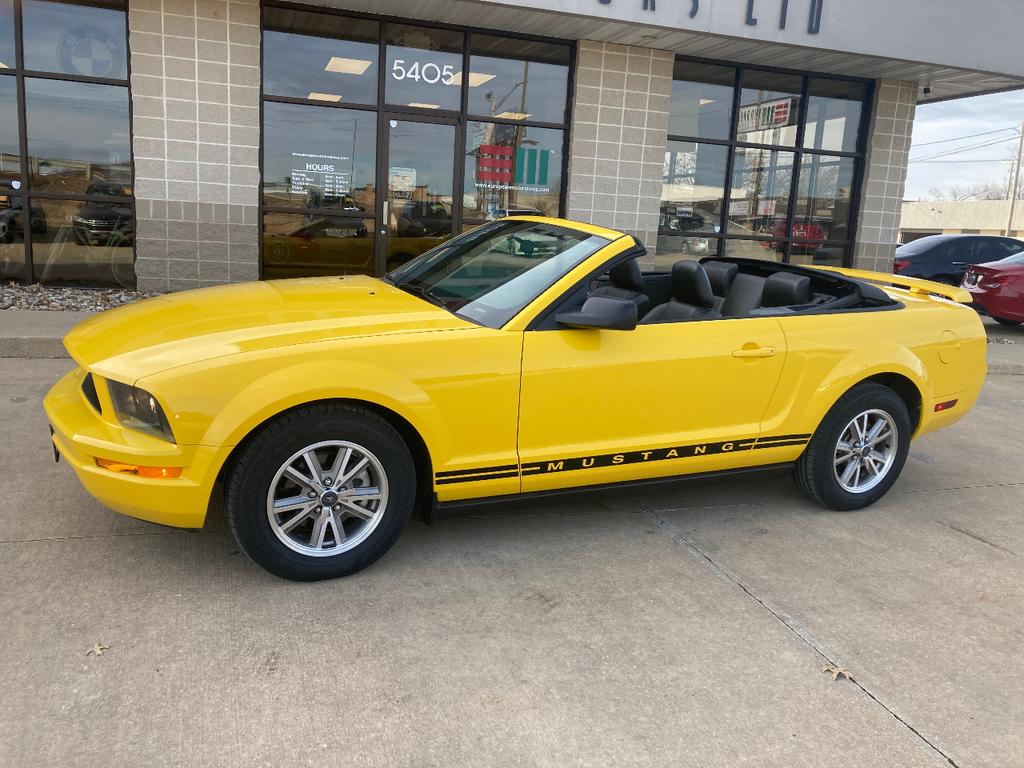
(989, 190)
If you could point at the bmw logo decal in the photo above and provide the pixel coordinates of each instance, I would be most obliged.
(90, 52)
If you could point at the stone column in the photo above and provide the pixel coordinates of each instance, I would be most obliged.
(196, 102)
(619, 133)
(885, 174)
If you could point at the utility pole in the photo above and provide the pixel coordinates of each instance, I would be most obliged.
(1015, 181)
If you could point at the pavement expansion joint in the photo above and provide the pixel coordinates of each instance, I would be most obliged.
(688, 544)
(198, 532)
(977, 537)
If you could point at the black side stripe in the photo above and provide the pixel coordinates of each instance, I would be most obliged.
(781, 443)
(618, 459)
(776, 438)
(637, 457)
(474, 478)
(477, 470)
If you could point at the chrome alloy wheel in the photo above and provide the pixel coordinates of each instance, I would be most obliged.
(866, 451)
(327, 498)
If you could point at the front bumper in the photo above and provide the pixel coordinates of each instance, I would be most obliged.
(81, 435)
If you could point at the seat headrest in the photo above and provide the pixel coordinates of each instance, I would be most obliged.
(721, 274)
(690, 284)
(784, 288)
(627, 275)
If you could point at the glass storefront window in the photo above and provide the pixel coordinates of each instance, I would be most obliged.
(769, 108)
(319, 157)
(72, 219)
(511, 169)
(702, 96)
(421, 187)
(759, 198)
(693, 188)
(424, 67)
(6, 34)
(824, 199)
(706, 138)
(297, 245)
(83, 242)
(12, 236)
(75, 39)
(99, 147)
(320, 57)
(673, 248)
(827, 254)
(833, 115)
(518, 80)
(383, 164)
(10, 147)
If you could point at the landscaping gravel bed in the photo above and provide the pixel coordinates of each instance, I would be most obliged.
(59, 298)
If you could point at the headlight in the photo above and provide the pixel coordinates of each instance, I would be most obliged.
(79, 220)
(137, 409)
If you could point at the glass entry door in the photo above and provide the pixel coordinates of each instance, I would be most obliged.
(418, 178)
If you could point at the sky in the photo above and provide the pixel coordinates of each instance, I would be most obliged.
(939, 128)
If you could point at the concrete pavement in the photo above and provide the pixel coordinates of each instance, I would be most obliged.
(672, 627)
(36, 334)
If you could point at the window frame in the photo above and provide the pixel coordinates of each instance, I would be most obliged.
(20, 74)
(460, 117)
(733, 143)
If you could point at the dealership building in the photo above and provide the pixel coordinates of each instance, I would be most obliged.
(171, 144)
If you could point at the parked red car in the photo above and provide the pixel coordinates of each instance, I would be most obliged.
(998, 288)
(805, 236)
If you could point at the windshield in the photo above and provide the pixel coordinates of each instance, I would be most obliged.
(489, 274)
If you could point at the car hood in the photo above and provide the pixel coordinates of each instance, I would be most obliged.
(103, 211)
(168, 331)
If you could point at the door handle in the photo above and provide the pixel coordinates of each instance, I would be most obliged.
(754, 352)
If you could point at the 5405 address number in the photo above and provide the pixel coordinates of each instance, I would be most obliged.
(428, 72)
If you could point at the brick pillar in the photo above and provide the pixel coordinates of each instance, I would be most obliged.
(885, 174)
(619, 134)
(195, 123)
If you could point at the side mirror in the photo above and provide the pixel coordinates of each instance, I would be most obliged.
(601, 312)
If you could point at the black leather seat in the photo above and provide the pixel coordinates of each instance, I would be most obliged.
(692, 298)
(744, 296)
(625, 281)
(721, 274)
(785, 289)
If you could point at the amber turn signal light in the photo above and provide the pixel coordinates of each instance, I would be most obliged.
(138, 471)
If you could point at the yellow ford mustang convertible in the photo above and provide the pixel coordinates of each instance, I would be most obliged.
(526, 356)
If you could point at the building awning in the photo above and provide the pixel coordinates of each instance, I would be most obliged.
(933, 42)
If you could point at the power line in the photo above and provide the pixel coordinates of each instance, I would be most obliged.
(961, 161)
(961, 150)
(968, 136)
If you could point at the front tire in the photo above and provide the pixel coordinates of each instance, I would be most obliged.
(321, 492)
(1004, 321)
(858, 450)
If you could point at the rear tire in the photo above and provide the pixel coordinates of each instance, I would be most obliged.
(1004, 321)
(858, 450)
(321, 492)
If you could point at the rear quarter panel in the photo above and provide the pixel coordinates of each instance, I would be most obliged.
(935, 343)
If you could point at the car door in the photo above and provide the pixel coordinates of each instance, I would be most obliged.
(961, 253)
(601, 406)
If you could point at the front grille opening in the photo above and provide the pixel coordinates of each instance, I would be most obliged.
(89, 390)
